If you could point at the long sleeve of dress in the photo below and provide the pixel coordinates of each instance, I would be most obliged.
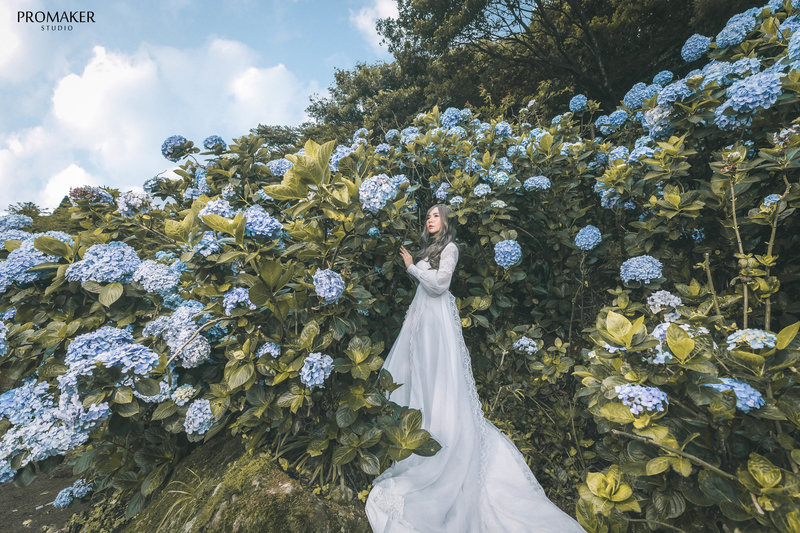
(438, 281)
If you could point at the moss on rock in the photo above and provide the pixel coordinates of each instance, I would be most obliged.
(220, 488)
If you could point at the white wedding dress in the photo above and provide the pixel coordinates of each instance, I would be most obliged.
(478, 481)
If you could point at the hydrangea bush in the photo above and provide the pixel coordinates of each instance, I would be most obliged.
(628, 294)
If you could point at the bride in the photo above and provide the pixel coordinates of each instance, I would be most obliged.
(478, 481)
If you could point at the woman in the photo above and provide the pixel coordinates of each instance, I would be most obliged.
(478, 481)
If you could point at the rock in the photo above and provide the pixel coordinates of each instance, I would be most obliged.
(221, 488)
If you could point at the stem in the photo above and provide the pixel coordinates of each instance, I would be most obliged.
(707, 267)
(676, 451)
(741, 251)
(154, 231)
(195, 334)
(768, 303)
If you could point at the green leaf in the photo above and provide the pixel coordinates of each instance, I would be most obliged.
(369, 464)
(218, 223)
(240, 376)
(680, 343)
(110, 293)
(345, 416)
(657, 465)
(174, 229)
(154, 480)
(763, 471)
(148, 387)
(616, 412)
(343, 455)
(52, 370)
(122, 395)
(787, 335)
(617, 326)
(271, 272)
(309, 333)
(51, 246)
(717, 489)
(164, 410)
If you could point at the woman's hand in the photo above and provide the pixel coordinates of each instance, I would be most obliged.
(407, 259)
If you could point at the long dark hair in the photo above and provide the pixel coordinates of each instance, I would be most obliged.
(431, 245)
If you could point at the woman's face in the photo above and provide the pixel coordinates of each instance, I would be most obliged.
(434, 222)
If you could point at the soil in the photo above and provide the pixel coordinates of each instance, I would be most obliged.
(30, 509)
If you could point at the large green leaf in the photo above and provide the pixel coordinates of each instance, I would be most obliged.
(110, 293)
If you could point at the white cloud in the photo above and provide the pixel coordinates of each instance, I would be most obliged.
(368, 15)
(106, 123)
(60, 183)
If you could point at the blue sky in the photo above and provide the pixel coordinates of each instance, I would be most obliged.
(93, 105)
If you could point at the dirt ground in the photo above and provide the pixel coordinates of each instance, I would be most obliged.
(30, 509)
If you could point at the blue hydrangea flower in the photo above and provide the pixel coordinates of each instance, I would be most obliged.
(481, 190)
(176, 329)
(456, 201)
(199, 417)
(279, 167)
(261, 223)
(183, 394)
(793, 50)
(391, 134)
(643, 268)
(374, 232)
(502, 129)
(383, 148)
(3, 335)
(174, 147)
(747, 397)
(316, 369)
(328, 285)
(376, 191)
(771, 199)
(736, 30)
(498, 204)
(214, 143)
(451, 117)
(663, 300)
(95, 195)
(663, 77)
(719, 72)
(156, 277)
(105, 263)
(635, 97)
(759, 90)
(578, 103)
(618, 118)
(588, 237)
(526, 344)
(540, 183)
(498, 177)
(208, 244)
(9, 222)
(674, 92)
(457, 131)
(409, 134)
(236, 297)
(14, 268)
(441, 191)
(218, 206)
(131, 202)
(340, 153)
(270, 348)
(603, 124)
(695, 47)
(507, 253)
(619, 152)
(9, 314)
(728, 120)
(746, 66)
(78, 490)
(640, 398)
(360, 133)
(754, 338)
